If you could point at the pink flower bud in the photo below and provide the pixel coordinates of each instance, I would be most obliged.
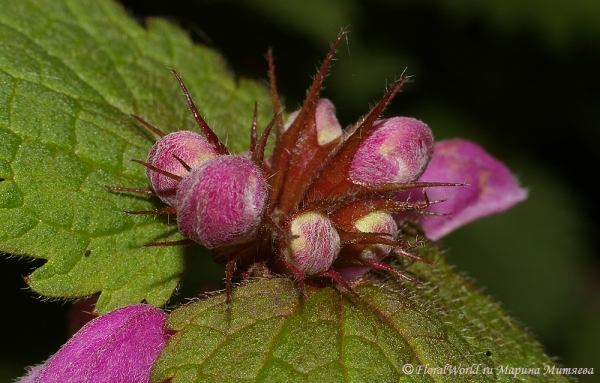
(221, 202)
(328, 127)
(120, 346)
(314, 243)
(376, 222)
(190, 147)
(397, 150)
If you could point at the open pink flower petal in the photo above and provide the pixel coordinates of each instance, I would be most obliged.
(492, 187)
(120, 346)
(34, 372)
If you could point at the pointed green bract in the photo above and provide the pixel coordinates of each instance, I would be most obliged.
(267, 333)
(71, 73)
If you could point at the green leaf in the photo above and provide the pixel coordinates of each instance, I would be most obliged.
(71, 73)
(268, 333)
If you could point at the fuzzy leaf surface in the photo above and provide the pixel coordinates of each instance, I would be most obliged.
(268, 335)
(71, 73)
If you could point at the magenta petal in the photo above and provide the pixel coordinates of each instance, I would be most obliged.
(492, 187)
(120, 346)
(32, 375)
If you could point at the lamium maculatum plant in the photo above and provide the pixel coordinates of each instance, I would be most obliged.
(323, 183)
(331, 274)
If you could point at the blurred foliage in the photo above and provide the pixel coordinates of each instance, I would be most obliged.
(557, 23)
(67, 132)
(519, 77)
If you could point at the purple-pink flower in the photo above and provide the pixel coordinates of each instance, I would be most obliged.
(491, 187)
(120, 346)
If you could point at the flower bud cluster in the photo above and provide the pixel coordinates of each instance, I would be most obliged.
(219, 198)
(323, 202)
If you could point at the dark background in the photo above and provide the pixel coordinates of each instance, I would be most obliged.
(519, 77)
